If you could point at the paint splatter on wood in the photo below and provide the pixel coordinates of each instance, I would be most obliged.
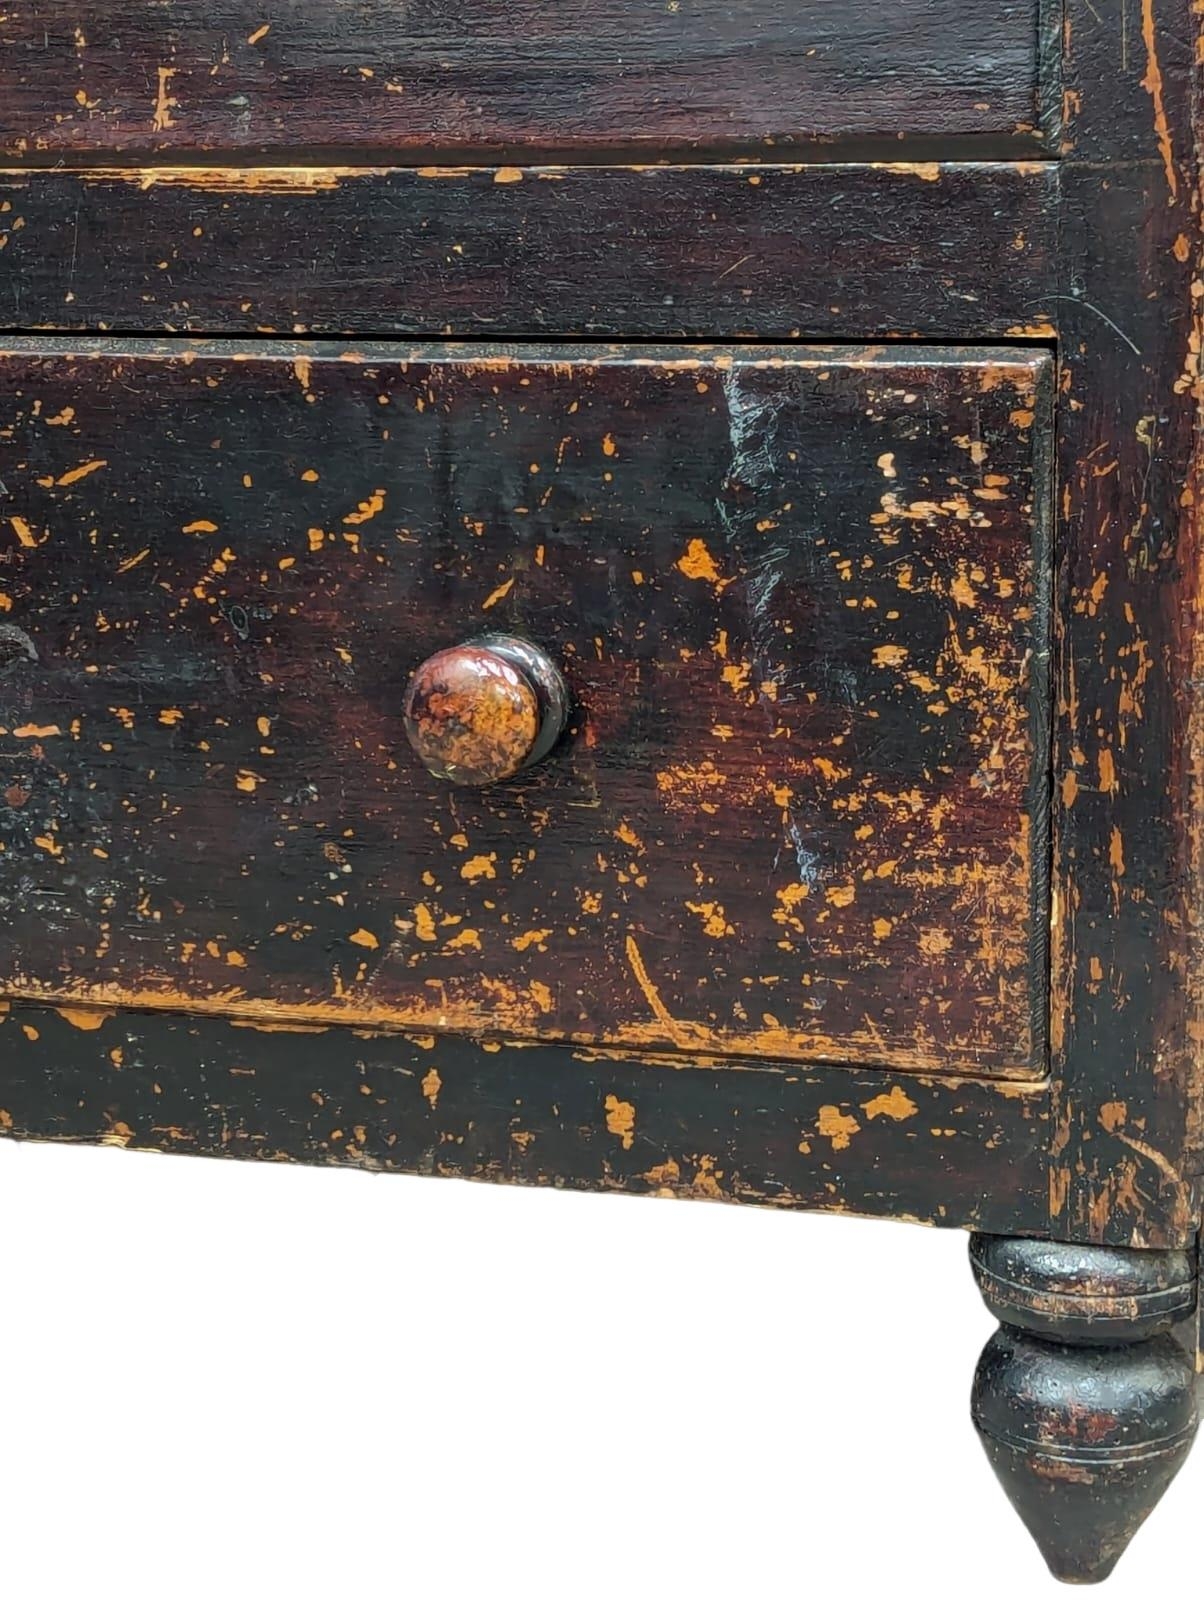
(771, 830)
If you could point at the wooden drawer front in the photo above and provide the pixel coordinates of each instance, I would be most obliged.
(967, 251)
(569, 75)
(796, 595)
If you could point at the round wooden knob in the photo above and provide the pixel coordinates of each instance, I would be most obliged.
(481, 712)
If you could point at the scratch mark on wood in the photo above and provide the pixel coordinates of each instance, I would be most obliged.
(648, 989)
(1152, 84)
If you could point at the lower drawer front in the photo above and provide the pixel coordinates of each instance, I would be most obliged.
(795, 594)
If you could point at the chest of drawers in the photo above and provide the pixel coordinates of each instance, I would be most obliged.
(611, 597)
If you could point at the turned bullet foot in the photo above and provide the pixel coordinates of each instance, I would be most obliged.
(1084, 1401)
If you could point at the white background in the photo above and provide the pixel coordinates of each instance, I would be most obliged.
(227, 1380)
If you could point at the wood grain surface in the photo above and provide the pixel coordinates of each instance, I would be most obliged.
(1099, 248)
(945, 1151)
(1128, 1003)
(965, 251)
(512, 75)
(797, 596)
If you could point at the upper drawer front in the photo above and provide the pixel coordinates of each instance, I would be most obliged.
(794, 594)
(513, 75)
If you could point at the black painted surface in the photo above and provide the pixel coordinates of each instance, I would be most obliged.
(956, 251)
(1084, 1400)
(1128, 963)
(1096, 1295)
(968, 1155)
(797, 598)
(1084, 1440)
(1086, 1417)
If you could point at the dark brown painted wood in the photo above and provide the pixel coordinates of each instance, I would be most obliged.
(958, 251)
(798, 600)
(795, 832)
(1128, 1015)
(507, 75)
(942, 1151)
(1084, 1400)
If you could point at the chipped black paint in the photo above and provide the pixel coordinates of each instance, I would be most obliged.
(796, 600)
(1084, 1400)
(1097, 246)
(956, 251)
(941, 1151)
